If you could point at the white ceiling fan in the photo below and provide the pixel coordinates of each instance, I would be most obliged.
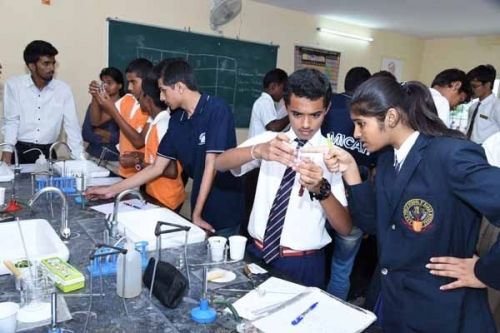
(223, 11)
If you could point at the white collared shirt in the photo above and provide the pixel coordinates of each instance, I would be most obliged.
(264, 111)
(492, 149)
(403, 151)
(36, 116)
(442, 106)
(304, 226)
(161, 121)
(487, 119)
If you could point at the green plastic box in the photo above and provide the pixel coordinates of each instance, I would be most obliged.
(66, 277)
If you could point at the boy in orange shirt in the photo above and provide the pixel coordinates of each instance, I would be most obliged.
(168, 189)
(127, 114)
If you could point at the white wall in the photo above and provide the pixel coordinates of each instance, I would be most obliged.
(78, 29)
(464, 53)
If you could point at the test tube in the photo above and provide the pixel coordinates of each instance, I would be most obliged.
(296, 161)
(102, 88)
(80, 181)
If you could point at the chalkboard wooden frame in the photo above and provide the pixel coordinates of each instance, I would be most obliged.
(229, 68)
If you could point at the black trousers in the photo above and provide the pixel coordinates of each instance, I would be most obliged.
(249, 186)
(33, 155)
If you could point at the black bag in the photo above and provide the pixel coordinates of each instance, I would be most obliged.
(170, 285)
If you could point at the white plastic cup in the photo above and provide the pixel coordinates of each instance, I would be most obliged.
(2, 195)
(217, 245)
(8, 317)
(237, 247)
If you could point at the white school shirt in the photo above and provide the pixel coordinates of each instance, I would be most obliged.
(161, 121)
(403, 151)
(492, 149)
(263, 112)
(304, 226)
(487, 119)
(442, 106)
(36, 116)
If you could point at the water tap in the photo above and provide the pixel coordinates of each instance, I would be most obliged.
(64, 231)
(17, 167)
(51, 149)
(112, 221)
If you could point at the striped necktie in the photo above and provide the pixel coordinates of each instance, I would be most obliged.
(272, 236)
(472, 121)
(397, 164)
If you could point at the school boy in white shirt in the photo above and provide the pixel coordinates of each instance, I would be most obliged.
(293, 197)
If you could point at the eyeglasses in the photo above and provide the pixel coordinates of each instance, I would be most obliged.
(476, 85)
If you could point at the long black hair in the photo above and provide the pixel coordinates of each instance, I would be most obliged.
(116, 75)
(412, 99)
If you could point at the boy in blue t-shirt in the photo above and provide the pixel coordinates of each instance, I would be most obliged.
(201, 128)
(339, 125)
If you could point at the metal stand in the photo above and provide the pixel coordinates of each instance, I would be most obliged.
(204, 314)
(53, 311)
(158, 233)
(94, 255)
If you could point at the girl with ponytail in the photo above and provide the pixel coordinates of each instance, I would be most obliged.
(425, 207)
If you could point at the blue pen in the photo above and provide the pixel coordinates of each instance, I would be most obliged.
(132, 205)
(297, 320)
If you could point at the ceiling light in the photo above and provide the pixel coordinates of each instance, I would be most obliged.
(345, 34)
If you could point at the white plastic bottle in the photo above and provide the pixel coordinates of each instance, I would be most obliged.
(41, 164)
(132, 275)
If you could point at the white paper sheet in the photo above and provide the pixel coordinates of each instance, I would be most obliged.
(276, 291)
(103, 181)
(330, 315)
(124, 206)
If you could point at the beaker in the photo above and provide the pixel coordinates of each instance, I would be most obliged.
(36, 290)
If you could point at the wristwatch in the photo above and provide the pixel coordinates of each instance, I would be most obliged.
(138, 164)
(324, 191)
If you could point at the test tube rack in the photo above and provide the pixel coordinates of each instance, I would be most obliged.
(105, 263)
(66, 184)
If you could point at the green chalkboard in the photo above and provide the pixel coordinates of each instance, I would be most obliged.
(228, 68)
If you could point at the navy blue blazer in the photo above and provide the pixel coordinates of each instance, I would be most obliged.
(432, 207)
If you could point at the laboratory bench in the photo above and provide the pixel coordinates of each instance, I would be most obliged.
(111, 313)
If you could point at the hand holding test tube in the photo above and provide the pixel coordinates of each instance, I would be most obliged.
(102, 88)
(296, 161)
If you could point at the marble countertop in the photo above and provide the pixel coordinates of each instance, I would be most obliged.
(112, 313)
